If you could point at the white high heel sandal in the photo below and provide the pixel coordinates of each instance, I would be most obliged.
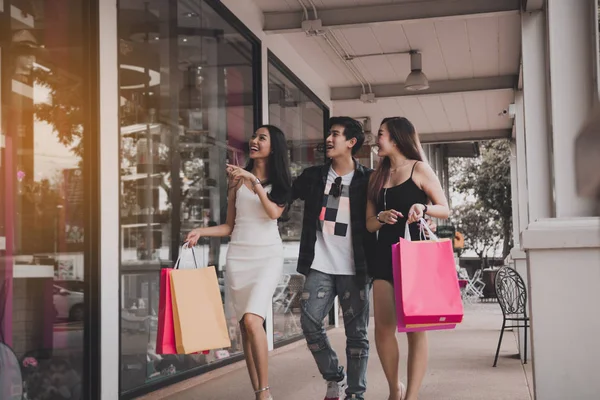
(256, 392)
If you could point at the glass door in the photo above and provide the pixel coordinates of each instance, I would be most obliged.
(187, 98)
(43, 128)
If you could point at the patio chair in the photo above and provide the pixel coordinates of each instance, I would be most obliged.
(296, 285)
(474, 289)
(281, 293)
(512, 297)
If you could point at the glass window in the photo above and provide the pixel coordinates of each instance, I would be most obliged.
(43, 85)
(187, 107)
(302, 118)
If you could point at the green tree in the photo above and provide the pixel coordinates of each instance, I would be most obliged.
(484, 182)
(482, 233)
(63, 111)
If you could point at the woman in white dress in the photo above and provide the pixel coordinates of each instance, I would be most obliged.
(257, 197)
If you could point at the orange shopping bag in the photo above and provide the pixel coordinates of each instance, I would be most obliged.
(198, 315)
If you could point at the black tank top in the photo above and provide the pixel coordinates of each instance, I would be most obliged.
(400, 198)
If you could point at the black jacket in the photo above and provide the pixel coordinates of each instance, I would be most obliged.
(310, 186)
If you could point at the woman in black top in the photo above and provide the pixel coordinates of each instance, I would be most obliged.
(399, 191)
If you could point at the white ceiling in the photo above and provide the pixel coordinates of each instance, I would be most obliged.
(451, 49)
(473, 46)
(457, 112)
(294, 5)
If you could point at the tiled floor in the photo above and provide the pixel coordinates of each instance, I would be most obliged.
(460, 367)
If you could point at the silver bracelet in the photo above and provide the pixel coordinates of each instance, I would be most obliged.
(256, 182)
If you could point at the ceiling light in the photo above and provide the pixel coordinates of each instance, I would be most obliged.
(190, 14)
(416, 80)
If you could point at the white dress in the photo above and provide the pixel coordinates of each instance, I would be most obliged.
(255, 256)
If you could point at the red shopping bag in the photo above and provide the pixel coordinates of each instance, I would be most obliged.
(165, 336)
(402, 327)
(428, 279)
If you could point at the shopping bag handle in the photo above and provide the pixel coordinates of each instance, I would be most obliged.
(407, 232)
(423, 227)
(183, 247)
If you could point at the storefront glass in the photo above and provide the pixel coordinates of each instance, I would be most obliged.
(43, 129)
(302, 118)
(188, 105)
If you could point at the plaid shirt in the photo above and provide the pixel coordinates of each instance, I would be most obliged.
(310, 186)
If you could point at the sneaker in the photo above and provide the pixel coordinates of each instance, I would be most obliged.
(336, 389)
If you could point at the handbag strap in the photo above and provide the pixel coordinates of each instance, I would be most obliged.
(186, 245)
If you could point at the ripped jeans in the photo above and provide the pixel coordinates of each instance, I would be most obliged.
(319, 293)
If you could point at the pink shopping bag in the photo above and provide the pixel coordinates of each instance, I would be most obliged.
(429, 283)
(402, 327)
(165, 336)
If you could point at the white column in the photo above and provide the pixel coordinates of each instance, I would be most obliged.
(426, 152)
(563, 256)
(109, 200)
(514, 190)
(523, 199)
(519, 201)
(537, 130)
(563, 253)
(434, 158)
(572, 90)
(264, 53)
(440, 163)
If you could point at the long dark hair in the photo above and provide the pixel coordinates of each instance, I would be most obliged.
(403, 134)
(278, 168)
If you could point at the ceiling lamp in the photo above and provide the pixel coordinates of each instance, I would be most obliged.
(416, 80)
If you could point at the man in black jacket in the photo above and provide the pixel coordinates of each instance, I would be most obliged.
(334, 249)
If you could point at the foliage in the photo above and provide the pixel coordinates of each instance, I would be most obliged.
(485, 183)
(63, 109)
(482, 233)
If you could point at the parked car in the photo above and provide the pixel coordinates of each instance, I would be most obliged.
(68, 303)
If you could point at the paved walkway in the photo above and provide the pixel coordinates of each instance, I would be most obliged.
(460, 367)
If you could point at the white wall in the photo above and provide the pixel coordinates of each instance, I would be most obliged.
(251, 15)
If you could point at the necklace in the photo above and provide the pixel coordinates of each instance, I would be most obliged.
(399, 166)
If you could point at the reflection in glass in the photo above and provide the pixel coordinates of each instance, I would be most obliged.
(187, 108)
(302, 120)
(41, 207)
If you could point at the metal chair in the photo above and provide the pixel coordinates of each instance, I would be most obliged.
(512, 297)
(474, 289)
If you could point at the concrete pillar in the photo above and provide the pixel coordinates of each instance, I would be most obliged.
(431, 155)
(109, 200)
(440, 163)
(563, 253)
(523, 194)
(514, 189)
(537, 146)
(572, 91)
(520, 201)
(446, 176)
(564, 292)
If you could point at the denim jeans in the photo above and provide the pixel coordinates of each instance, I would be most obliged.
(319, 293)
